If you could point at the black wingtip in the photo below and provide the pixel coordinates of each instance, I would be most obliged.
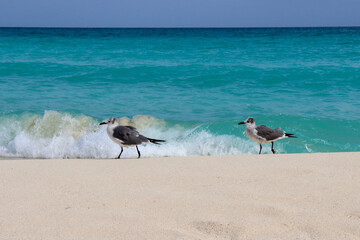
(156, 141)
(290, 135)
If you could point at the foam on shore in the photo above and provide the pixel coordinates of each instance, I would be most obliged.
(61, 135)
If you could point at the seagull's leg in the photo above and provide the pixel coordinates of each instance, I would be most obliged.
(138, 151)
(272, 148)
(120, 152)
(260, 148)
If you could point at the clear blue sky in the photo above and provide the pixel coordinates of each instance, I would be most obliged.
(179, 13)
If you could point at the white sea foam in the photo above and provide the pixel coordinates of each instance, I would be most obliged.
(59, 135)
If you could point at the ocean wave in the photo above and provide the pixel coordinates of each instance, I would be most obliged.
(63, 135)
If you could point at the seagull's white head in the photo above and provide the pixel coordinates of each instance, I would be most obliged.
(248, 122)
(110, 121)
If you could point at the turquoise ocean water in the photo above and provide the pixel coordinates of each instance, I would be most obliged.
(188, 86)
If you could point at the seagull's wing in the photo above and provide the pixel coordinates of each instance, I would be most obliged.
(268, 133)
(132, 128)
(128, 135)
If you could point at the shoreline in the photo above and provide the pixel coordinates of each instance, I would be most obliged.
(9, 158)
(281, 196)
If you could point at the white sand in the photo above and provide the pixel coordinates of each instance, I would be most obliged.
(298, 196)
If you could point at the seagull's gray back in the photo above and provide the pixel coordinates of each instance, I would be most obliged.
(129, 136)
(268, 133)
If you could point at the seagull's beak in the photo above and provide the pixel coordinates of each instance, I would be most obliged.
(241, 123)
(102, 123)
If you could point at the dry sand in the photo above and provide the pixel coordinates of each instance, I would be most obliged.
(296, 196)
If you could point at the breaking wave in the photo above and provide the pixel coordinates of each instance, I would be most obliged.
(62, 135)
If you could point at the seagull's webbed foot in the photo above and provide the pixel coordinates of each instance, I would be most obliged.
(260, 149)
(120, 152)
(139, 155)
(272, 148)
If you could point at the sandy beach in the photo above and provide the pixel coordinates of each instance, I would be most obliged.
(284, 196)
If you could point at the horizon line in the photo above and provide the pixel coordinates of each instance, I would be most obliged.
(340, 26)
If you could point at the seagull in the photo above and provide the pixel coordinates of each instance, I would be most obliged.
(263, 134)
(126, 136)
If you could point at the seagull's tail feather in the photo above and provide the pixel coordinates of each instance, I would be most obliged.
(290, 135)
(155, 141)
